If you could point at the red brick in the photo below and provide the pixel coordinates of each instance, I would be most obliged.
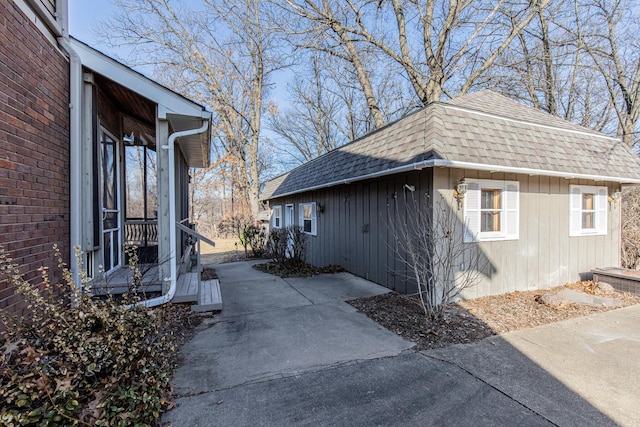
(34, 153)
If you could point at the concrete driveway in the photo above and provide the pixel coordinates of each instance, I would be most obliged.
(292, 352)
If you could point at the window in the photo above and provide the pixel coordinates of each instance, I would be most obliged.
(277, 217)
(588, 210)
(308, 218)
(491, 210)
(289, 219)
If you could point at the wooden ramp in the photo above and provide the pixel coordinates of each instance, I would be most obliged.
(208, 297)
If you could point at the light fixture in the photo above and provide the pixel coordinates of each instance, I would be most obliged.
(614, 198)
(460, 191)
(319, 208)
(129, 139)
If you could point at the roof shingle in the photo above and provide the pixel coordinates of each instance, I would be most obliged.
(483, 128)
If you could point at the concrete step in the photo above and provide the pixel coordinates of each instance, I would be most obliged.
(187, 289)
(209, 298)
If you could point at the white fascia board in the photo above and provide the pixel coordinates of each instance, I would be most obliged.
(529, 171)
(462, 165)
(135, 81)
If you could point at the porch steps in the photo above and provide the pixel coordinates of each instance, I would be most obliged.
(187, 289)
(209, 298)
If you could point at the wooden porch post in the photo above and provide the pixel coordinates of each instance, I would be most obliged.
(164, 244)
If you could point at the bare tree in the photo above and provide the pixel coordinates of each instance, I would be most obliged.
(438, 47)
(325, 110)
(221, 55)
(608, 30)
(428, 240)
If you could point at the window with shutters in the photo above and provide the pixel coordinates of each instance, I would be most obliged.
(277, 217)
(308, 218)
(491, 210)
(588, 210)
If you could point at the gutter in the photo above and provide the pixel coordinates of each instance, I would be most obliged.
(459, 165)
(75, 149)
(173, 279)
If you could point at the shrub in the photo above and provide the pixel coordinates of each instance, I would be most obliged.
(630, 224)
(278, 245)
(81, 360)
(288, 246)
(256, 237)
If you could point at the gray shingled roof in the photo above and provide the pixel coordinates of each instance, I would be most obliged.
(483, 130)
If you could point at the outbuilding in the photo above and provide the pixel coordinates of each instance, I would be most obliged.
(536, 195)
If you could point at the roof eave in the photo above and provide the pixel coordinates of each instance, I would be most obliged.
(463, 165)
(129, 78)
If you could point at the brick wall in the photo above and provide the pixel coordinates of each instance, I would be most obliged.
(34, 149)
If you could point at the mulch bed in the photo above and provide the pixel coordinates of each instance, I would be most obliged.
(475, 319)
(302, 270)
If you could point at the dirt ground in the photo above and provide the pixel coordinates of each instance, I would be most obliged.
(475, 319)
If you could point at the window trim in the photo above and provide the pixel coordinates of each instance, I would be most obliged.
(293, 215)
(509, 210)
(576, 212)
(313, 219)
(276, 218)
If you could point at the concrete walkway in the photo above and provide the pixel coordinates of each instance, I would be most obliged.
(292, 352)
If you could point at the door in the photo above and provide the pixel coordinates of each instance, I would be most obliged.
(111, 222)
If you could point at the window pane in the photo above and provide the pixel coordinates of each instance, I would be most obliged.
(490, 221)
(307, 214)
(490, 210)
(490, 199)
(587, 201)
(588, 219)
(307, 224)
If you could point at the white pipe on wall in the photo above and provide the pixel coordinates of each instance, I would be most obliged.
(172, 216)
(75, 156)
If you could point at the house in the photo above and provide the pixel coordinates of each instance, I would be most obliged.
(94, 155)
(541, 199)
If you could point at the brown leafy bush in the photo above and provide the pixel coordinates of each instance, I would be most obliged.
(84, 361)
(631, 228)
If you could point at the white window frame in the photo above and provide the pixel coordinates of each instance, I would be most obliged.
(601, 194)
(509, 210)
(313, 218)
(289, 208)
(276, 217)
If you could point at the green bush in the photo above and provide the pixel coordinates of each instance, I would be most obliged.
(82, 360)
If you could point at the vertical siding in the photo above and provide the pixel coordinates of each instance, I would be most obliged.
(543, 256)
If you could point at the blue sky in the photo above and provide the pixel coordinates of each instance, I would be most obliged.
(84, 15)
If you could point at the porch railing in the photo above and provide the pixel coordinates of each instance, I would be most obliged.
(141, 233)
(196, 238)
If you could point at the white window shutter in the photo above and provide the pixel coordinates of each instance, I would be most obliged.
(512, 205)
(601, 210)
(301, 215)
(575, 211)
(472, 212)
(313, 219)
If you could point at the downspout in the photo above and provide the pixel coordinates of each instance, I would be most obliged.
(75, 148)
(173, 279)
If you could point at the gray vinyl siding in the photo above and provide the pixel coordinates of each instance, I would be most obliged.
(352, 231)
(544, 254)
